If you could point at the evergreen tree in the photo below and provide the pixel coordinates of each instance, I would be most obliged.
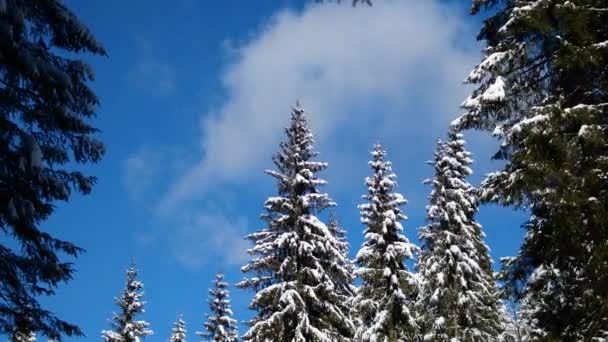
(220, 325)
(45, 104)
(20, 336)
(296, 297)
(178, 333)
(344, 285)
(386, 298)
(458, 298)
(542, 88)
(125, 327)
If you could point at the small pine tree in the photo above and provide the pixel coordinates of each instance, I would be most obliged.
(296, 298)
(126, 328)
(385, 300)
(220, 325)
(458, 298)
(178, 333)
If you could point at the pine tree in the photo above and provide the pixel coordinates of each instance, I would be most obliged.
(344, 285)
(20, 336)
(386, 298)
(45, 104)
(125, 327)
(296, 298)
(458, 298)
(542, 89)
(178, 333)
(220, 325)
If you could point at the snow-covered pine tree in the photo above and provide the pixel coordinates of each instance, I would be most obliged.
(220, 325)
(518, 326)
(125, 327)
(45, 109)
(178, 333)
(23, 337)
(458, 295)
(296, 298)
(344, 285)
(385, 301)
(542, 90)
(340, 233)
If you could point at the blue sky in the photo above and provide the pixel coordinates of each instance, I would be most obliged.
(194, 96)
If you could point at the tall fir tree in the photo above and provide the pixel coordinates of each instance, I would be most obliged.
(458, 297)
(178, 333)
(542, 89)
(220, 325)
(45, 106)
(386, 298)
(125, 327)
(296, 298)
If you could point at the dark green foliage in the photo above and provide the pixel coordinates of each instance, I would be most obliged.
(549, 58)
(44, 107)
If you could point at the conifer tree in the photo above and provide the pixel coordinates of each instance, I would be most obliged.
(45, 106)
(344, 285)
(542, 89)
(296, 298)
(178, 333)
(125, 326)
(458, 297)
(386, 298)
(21, 336)
(220, 325)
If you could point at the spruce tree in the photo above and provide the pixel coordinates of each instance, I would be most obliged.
(542, 89)
(21, 336)
(386, 298)
(220, 325)
(296, 297)
(45, 108)
(344, 285)
(458, 297)
(125, 327)
(178, 333)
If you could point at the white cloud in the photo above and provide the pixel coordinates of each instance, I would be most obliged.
(351, 68)
(210, 238)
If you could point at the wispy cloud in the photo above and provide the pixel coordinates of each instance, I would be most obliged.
(210, 238)
(365, 67)
(149, 167)
(149, 74)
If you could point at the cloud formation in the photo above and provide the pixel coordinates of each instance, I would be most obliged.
(347, 66)
(150, 74)
(204, 237)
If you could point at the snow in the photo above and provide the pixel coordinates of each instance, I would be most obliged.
(587, 130)
(528, 122)
(496, 91)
